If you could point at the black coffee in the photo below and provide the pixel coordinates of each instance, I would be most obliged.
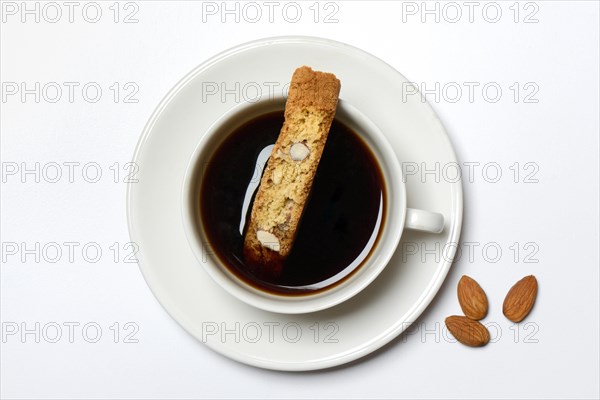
(341, 221)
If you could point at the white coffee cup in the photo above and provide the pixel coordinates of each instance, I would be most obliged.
(397, 218)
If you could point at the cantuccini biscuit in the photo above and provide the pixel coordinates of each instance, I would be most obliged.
(290, 171)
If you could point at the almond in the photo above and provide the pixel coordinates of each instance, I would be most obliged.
(520, 299)
(467, 331)
(299, 151)
(268, 240)
(472, 298)
(277, 176)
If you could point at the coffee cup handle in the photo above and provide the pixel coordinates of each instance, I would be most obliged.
(425, 221)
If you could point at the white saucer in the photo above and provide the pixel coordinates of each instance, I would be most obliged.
(249, 335)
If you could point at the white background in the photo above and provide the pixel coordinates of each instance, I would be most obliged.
(552, 354)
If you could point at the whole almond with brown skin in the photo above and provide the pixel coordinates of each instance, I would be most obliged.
(467, 331)
(472, 298)
(520, 299)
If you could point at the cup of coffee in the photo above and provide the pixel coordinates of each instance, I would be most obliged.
(351, 225)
